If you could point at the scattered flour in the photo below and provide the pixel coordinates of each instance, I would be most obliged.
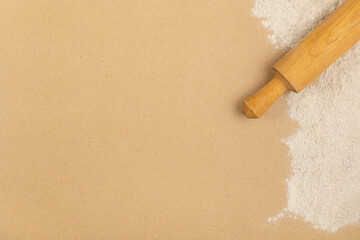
(324, 188)
(277, 217)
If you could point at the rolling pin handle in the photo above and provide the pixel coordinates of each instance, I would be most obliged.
(256, 105)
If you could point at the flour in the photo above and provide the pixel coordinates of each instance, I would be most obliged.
(324, 188)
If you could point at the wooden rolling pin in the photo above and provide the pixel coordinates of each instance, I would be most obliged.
(300, 66)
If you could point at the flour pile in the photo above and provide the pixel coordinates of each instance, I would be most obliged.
(324, 187)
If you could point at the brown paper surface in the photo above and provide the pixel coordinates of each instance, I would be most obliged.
(120, 120)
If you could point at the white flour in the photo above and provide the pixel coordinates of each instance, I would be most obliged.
(324, 187)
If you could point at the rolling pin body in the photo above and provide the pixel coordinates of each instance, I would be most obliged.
(301, 65)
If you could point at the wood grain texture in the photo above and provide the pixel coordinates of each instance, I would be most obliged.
(256, 105)
(322, 47)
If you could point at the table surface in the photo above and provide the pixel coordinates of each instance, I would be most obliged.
(121, 120)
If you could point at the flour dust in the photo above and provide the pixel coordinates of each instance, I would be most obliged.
(324, 187)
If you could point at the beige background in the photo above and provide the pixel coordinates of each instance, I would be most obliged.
(120, 119)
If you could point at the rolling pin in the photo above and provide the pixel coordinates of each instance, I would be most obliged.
(313, 55)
